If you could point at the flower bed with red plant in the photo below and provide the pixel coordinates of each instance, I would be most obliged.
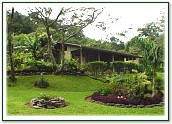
(113, 100)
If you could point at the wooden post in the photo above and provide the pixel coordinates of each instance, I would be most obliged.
(98, 56)
(124, 59)
(113, 59)
(81, 56)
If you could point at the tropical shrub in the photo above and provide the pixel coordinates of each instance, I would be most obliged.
(37, 65)
(131, 66)
(132, 86)
(95, 67)
(71, 66)
(106, 90)
(159, 85)
(118, 66)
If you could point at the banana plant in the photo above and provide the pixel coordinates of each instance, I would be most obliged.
(32, 44)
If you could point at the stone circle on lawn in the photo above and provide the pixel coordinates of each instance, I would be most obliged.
(48, 104)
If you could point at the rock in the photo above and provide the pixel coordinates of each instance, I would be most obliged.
(123, 106)
(157, 105)
(128, 106)
(98, 102)
(48, 104)
(118, 105)
(134, 106)
(161, 103)
(34, 100)
(58, 105)
(40, 105)
(110, 104)
(36, 107)
(140, 106)
(50, 107)
(149, 106)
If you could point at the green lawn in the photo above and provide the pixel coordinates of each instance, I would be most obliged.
(74, 89)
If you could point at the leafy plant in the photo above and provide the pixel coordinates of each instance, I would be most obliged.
(45, 97)
(42, 83)
(131, 66)
(71, 66)
(107, 90)
(96, 67)
(118, 66)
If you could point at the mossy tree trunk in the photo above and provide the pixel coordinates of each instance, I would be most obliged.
(50, 53)
(10, 47)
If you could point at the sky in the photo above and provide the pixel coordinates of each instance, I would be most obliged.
(130, 17)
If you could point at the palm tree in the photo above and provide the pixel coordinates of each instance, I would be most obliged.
(152, 55)
(155, 60)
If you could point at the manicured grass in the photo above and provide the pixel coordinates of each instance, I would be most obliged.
(74, 89)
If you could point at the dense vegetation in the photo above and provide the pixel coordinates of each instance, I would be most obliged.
(32, 50)
(73, 89)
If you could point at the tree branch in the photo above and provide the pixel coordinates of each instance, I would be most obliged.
(89, 22)
(61, 11)
(42, 16)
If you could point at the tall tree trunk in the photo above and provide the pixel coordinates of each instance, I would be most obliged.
(63, 59)
(50, 53)
(10, 47)
(153, 80)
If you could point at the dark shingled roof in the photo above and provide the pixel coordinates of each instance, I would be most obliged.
(103, 50)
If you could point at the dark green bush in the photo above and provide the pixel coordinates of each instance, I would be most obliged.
(118, 66)
(71, 66)
(132, 65)
(38, 65)
(141, 68)
(96, 67)
(159, 85)
(107, 90)
(134, 87)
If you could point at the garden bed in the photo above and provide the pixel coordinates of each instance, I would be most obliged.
(121, 101)
(47, 103)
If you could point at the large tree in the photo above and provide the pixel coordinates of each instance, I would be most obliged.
(10, 45)
(117, 44)
(69, 22)
(153, 30)
(43, 15)
(73, 21)
(22, 24)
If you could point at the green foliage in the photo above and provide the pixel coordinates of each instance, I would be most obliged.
(107, 90)
(133, 86)
(38, 65)
(71, 66)
(74, 89)
(159, 86)
(119, 66)
(42, 83)
(45, 97)
(132, 66)
(95, 67)
(22, 24)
